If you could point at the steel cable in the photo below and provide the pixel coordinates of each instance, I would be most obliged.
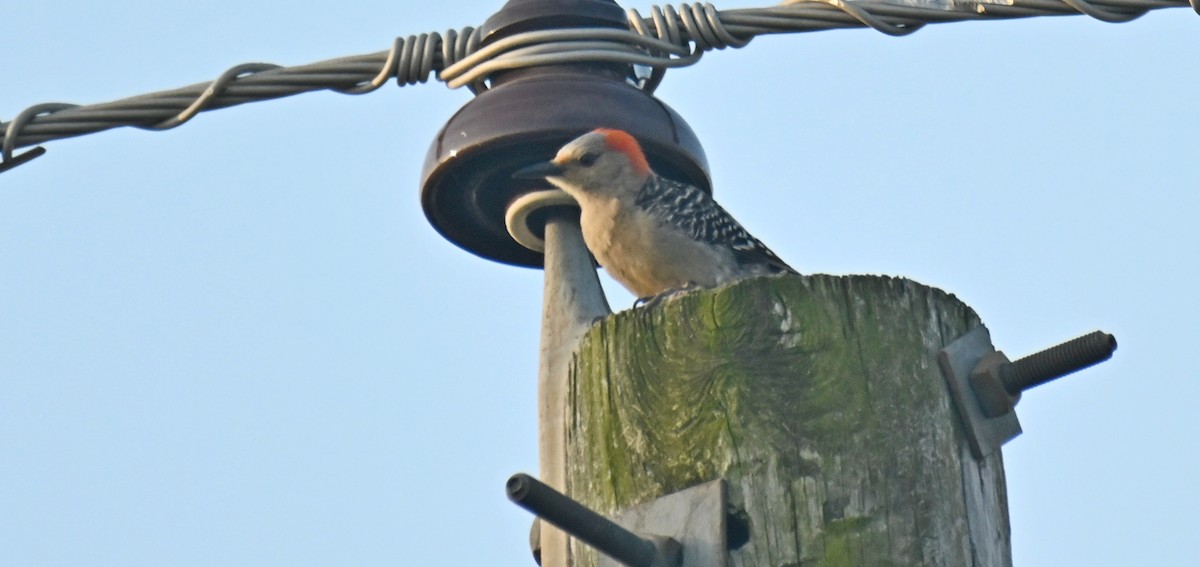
(670, 36)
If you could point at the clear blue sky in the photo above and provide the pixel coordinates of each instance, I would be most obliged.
(240, 343)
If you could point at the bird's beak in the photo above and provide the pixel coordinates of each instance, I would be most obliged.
(539, 171)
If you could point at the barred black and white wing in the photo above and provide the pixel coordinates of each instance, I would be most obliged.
(691, 210)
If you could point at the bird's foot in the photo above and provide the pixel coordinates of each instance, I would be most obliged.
(649, 300)
(653, 300)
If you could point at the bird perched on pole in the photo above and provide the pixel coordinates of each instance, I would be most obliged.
(652, 234)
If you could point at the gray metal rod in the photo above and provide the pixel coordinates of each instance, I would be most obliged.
(582, 523)
(571, 300)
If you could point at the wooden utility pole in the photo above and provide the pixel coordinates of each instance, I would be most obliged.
(817, 398)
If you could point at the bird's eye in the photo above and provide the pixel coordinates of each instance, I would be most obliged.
(586, 160)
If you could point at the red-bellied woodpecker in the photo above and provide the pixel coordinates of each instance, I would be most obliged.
(651, 234)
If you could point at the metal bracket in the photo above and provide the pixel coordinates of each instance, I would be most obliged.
(986, 386)
(958, 360)
(695, 517)
(688, 528)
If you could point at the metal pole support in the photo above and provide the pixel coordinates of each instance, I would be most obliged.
(593, 529)
(571, 302)
(986, 386)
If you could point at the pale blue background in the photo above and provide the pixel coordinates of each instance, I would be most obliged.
(240, 343)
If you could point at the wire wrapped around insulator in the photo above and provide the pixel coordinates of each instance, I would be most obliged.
(415, 58)
(558, 46)
(670, 37)
(696, 24)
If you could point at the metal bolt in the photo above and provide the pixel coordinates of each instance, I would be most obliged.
(592, 528)
(1057, 361)
(994, 400)
(998, 383)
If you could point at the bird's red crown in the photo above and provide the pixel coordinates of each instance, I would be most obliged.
(622, 142)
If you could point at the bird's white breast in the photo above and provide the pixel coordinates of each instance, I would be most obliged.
(645, 256)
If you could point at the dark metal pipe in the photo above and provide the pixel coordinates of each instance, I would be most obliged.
(582, 523)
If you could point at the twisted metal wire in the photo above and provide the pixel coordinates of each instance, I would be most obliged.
(668, 37)
(411, 60)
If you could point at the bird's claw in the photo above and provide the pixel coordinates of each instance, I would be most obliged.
(653, 300)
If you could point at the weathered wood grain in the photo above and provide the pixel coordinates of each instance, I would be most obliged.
(817, 397)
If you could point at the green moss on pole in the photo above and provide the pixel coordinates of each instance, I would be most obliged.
(817, 397)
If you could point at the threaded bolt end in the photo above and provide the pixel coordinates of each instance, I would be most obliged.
(1057, 361)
